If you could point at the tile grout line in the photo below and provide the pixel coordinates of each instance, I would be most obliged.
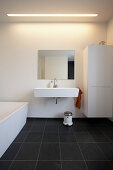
(40, 145)
(110, 160)
(101, 151)
(19, 149)
(59, 146)
(110, 140)
(81, 153)
(68, 142)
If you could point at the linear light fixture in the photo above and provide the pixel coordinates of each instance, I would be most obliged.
(52, 15)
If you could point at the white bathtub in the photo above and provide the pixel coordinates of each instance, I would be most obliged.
(12, 118)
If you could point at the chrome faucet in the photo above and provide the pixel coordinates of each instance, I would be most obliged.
(55, 85)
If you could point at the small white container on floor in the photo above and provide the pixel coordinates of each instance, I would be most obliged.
(67, 119)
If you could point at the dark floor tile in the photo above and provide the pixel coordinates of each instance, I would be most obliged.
(98, 121)
(88, 126)
(107, 148)
(39, 122)
(51, 129)
(23, 165)
(91, 151)
(49, 151)
(4, 165)
(39, 119)
(67, 138)
(26, 127)
(34, 137)
(52, 122)
(37, 128)
(28, 151)
(111, 163)
(99, 136)
(70, 151)
(48, 165)
(74, 165)
(51, 137)
(65, 129)
(89, 122)
(107, 127)
(21, 136)
(109, 134)
(84, 136)
(30, 121)
(79, 128)
(83, 121)
(61, 121)
(99, 165)
(11, 151)
(93, 128)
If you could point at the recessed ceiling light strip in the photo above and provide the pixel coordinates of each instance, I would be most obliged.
(52, 15)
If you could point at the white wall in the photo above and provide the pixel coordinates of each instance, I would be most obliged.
(110, 40)
(110, 32)
(19, 44)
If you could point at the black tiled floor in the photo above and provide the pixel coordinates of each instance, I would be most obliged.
(84, 136)
(99, 165)
(23, 165)
(66, 138)
(79, 128)
(70, 151)
(51, 137)
(51, 129)
(48, 165)
(27, 127)
(49, 151)
(91, 151)
(33, 137)
(37, 128)
(99, 136)
(74, 165)
(52, 122)
(46, 144)
(65, 129)
(107, 149)
(21, 136)
(11, 151)
(28, 151)
(4, 165)
(109, 134)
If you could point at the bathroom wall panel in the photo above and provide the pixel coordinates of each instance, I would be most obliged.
(19, 45)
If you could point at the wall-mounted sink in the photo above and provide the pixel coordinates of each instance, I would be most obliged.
(56, 92)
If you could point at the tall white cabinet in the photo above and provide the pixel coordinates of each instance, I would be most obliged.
(98, 80)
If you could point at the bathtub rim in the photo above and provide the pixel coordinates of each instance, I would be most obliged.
(11, 113)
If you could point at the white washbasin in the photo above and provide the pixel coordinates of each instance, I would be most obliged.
(56, 92)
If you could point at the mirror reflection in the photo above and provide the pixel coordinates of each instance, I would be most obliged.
(57, 64)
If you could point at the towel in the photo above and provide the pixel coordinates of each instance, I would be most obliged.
(78, 101)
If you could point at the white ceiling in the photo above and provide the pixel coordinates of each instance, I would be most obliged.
(103, 7)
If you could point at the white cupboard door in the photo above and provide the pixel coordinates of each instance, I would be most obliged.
(100, 62)
(99, 102)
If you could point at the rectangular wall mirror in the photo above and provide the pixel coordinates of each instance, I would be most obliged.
(57, 64)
